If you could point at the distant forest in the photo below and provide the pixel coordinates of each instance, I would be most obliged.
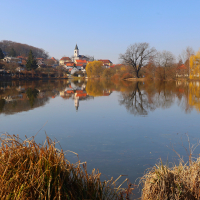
(22, 49)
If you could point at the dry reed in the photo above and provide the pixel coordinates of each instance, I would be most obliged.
(32, 171)
(179, 182)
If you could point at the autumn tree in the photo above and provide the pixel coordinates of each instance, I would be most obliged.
(195, 65)
(11, 67)
(184, 58)
(149, 69)
(1, 54)
(107, 73)
(31, 62)
(94, 69)
(165, 61)
(137, 55)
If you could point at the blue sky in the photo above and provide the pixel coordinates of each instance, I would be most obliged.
(102, 29)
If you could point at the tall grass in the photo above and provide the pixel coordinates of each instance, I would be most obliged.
(32, 171)
(181, 182)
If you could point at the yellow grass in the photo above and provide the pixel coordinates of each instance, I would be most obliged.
(179, 182)
(32, 171)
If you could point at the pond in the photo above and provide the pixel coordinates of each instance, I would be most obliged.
(118, 127)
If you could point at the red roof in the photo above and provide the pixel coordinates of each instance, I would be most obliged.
(70, 92)
(80, 91)
(117, 65)
(20, 57)
(81, 61)
(81, 95)
(80, 65)
(65, 58)
(183, 67)
(105, 61)
(70, 64)
(53, 58)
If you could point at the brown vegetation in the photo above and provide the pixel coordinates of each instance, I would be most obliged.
(179, 182)
(32, 171)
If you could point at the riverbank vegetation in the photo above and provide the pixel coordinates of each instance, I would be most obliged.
(32, 171)
(179, 182)
(141, 61)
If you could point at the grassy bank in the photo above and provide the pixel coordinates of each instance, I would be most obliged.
(32, 171)
(180, 182)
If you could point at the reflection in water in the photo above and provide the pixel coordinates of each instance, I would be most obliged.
(2, 103)
(136, 101)
(76, 91)
(194, 95)
(18, 96)
(32, 95)
(139, 98)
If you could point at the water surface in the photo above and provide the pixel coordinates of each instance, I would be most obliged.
(118, 127)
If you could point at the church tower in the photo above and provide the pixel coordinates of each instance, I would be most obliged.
(76, 52)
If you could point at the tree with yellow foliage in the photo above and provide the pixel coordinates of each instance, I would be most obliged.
(195, 66)
(94, 69)
(194, 95)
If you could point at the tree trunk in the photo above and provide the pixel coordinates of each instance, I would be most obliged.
(137, 73)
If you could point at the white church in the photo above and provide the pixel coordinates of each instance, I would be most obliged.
(77, 56)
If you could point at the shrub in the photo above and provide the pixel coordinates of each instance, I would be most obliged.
(33, 171)
(179, 182)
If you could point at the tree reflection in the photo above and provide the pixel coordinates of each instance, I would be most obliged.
(2, 104)
(194, 95)
(136, 101)
(32, 95)
(139, 98)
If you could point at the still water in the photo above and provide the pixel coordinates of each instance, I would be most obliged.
(118, 127)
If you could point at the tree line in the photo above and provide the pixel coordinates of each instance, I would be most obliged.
(161, 65)
(14, 49)
(141, 60)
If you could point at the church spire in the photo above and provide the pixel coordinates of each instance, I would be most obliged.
(76, 47)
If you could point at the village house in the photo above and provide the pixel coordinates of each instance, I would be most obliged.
(68, 65)
(55, 61)
(12, 60)
(106, 63)
(40, 61)
(64, 60)
(182, 71)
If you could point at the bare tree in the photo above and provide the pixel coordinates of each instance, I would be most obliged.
(185, 56)
(166, 60)
(137, 55)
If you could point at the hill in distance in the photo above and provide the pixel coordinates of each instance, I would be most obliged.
(22, 49)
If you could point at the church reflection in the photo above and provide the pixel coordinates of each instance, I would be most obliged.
(77, 93)
(139, 98)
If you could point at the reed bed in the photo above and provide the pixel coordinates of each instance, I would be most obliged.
(33, 171)
(179, 182)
